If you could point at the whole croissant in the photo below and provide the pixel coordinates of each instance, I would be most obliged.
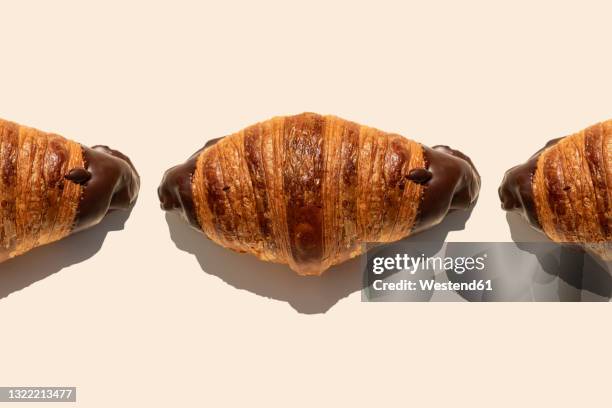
(308, 190)
(565, 189)
(51, 187)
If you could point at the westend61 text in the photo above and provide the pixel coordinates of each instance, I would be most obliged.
(432, 285)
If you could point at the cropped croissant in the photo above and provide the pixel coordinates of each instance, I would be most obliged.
(309, 190)
(51, 187)
(565, 189)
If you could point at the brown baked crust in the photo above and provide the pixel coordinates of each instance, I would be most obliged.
(309, 190)
(572, 189)
(37, 205)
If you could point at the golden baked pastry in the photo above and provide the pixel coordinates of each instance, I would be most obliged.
(309, 190)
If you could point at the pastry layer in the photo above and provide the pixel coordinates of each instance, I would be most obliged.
(37, 204)
(572, 187)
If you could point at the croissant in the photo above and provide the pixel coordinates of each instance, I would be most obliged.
(308, 190)
(565, 189)
(51, 187)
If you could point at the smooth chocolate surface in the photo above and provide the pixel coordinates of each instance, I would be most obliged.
(454, 184)
(516, 189)
(110, 182)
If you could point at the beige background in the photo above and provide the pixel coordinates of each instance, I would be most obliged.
(126, 316)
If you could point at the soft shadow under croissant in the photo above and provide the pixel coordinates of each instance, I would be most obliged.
(565, 189)
(309, 190)
(51, 187)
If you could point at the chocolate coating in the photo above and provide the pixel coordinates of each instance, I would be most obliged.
(454, 185)
(175, 193)
(516, 189)
(113, 184)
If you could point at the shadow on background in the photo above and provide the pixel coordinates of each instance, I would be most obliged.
(579, 270)
(37, 264)
(306, 294)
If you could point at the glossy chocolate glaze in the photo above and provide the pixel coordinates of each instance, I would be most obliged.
(454, 184)
(175, 193)
(516, 189)
(110, 182)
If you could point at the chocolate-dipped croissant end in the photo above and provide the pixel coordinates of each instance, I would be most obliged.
(516, 191)
(454, 185)
(565, 189)
(175, 190)
(51, 187)
(113, 184)
(310, 190)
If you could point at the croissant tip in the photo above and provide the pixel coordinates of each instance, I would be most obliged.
(168, 197)
(110, 173)
(466, 197)
(175, 193)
